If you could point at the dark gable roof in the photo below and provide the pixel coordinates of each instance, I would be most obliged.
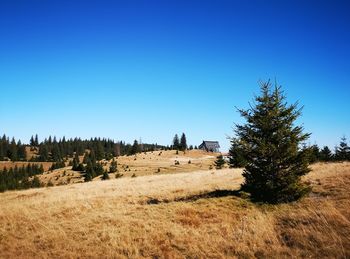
(211, 144)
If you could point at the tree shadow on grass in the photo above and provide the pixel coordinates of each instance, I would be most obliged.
(191, 198)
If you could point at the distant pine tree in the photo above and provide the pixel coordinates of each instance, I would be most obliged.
(183, 142)
(32, 141)
(135, 148)
(176, 142)
(57, 165)
(326, 154)
(220, 162)
(76, 162)
(342, 153)
(98, 169)
(86, 157)
(89, 172)
(12, 154)
(315, 154)
(105, 176)
(81, 167)
(35, 183)
(36, 140)
(43, 153)
(56, 153)
(21, 151)
(92, 157)
(113, 167)
(100, 154)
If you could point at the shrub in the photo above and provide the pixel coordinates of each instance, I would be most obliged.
(220, 162)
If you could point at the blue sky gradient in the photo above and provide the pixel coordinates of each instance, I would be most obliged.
(150, 69)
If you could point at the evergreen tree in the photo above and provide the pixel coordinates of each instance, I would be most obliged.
(21, 152)
(81, 167)
(342, 153)
(43, 153)
(105, 175)
(41, 169)
(92, 157)
(32, 141)
(100, 153)
(35, 183)
(2, 153)
(113, 166)
(326, 154)
(220, 162)
(271, 148)
(89, 172)
(36, 140)
(134, 148)
(12, 154)
(86, 157)
(98, 169)
(76, 162)
(56, 153)
(176, 142)
(315, 154)
(183, 142)
(57, 165)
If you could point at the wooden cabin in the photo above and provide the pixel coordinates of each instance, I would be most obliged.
(210, 146)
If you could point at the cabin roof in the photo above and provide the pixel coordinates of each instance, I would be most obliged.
(211, 144)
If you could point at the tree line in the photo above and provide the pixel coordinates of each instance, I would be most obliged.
(316, 154)
(20, 177)
(341, 152)
(53, 150)
(12, 149)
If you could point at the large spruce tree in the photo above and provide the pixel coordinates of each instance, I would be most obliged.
(271, 148)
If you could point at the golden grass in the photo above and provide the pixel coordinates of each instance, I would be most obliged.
(176, 216)
(149, 162)
(141, 164)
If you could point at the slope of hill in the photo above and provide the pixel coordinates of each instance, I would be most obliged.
(147, 163)
(195, 214)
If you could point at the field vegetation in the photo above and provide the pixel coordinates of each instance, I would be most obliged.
(192, 214)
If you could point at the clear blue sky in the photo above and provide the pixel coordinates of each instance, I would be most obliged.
(150, 69)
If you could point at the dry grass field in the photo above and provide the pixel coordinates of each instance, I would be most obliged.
(147, 163)
(184, 215)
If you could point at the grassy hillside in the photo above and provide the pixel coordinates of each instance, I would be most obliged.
(148, 163)
(180, 215)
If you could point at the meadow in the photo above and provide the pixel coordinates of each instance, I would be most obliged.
(194, 214)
